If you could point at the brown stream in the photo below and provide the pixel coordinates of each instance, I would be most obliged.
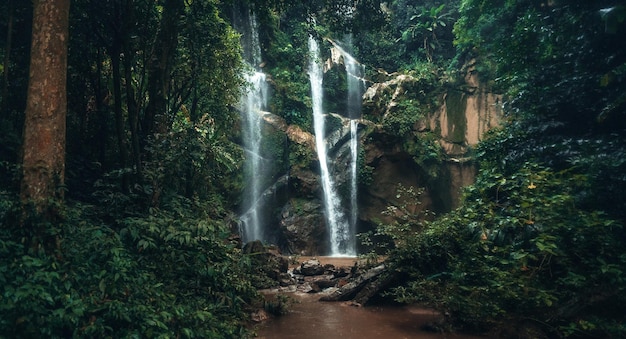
(312, 319)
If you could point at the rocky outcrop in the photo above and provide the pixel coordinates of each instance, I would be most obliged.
(302, 227)
(390, 91)
(294, 133)
(391, 166)
(466, 114)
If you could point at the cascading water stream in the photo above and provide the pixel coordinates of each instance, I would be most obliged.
(355, 72)
(356, 87)
(354, 152)
(341, 241)
(253, 100)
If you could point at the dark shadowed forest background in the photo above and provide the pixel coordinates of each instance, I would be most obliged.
(121, 161)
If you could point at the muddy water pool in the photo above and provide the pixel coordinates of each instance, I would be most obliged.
(310, 318)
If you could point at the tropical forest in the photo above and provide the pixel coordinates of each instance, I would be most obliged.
(207, 168)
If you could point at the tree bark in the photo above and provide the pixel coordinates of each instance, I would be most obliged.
(155, 118)
(120, 123)
(131, 103)
(43, 148)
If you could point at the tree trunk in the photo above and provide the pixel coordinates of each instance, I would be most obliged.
(155, 119)
(43, 149)
(131, 103)
(120, 123)
(102, 112)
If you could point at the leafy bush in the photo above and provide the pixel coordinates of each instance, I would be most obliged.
(168, 274)
(521, 252)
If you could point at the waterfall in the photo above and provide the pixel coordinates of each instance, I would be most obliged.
(354, 151)
(356, 87)
(341, 241)
(355, 77)
(254, 99)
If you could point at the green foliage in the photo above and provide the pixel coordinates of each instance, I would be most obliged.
(193, 160)
(425, 27)
(520, 248)
(409, 34)
(402, 121)
(416, 102)
(400, 222)
(168, 274)
(365, 172)
(410, 114)
(407, 217)
(426, 152)
(279, 306)
(300, 118)
(287, 59)
(559, 77)
(209, 65)
(300, 156)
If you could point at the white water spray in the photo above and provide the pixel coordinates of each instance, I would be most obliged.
(340, 236)
(354, 151)
(253, 100)
(356, 87)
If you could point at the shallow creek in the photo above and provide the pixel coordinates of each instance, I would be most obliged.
(312, 319)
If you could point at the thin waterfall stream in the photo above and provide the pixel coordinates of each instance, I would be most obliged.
(354, 151)
(254, 99)
(356, 87)
(341, 241)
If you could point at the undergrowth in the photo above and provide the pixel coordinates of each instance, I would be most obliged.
(521, 255)
(169, 273)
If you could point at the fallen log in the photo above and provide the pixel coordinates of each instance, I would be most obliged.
(373, 287)
(351, 289)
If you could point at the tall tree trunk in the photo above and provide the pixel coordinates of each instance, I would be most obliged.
(102, 112)
(161, 65)
(43, 161)
(131, 103)
(133, 115)
(119, 114)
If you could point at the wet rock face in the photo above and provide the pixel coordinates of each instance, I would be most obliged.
(391, 167)
(302, 227)
(464, 118)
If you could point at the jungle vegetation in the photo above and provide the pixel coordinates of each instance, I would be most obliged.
(124, 228)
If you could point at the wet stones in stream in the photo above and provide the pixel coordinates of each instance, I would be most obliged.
(313, 277)
(336, 283)
(333, 283)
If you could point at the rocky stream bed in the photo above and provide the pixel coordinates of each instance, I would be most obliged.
(326, 297)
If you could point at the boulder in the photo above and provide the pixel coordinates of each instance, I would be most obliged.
(285, 279)
(311, 267)
(302, 227)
